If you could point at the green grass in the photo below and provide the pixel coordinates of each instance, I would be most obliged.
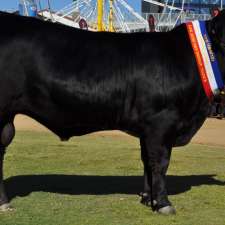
(94, 180)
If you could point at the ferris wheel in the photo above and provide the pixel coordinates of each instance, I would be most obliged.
(99, 15)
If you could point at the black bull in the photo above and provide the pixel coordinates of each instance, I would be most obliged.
(75, 82)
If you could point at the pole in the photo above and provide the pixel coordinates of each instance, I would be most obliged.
(111, 28)
(100, 15)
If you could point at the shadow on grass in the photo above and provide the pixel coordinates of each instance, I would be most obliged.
(98, 185)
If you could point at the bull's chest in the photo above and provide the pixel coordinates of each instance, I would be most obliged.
(188, 128)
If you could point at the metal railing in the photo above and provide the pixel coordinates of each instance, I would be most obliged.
(167, 21)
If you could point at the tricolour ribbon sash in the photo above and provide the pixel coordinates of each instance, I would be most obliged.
(206, 60)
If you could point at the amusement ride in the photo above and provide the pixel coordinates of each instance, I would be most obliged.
(116, 15)
(95, 15)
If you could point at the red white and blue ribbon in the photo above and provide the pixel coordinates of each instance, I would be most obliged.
(206, 60)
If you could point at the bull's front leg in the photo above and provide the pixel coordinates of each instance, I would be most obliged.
(157, 157)
(6, 135)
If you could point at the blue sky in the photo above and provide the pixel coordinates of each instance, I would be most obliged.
(57, 4)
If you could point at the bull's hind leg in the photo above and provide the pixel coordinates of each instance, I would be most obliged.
(146, 194)
(7, 132)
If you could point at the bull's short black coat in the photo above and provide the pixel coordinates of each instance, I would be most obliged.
(75, 82)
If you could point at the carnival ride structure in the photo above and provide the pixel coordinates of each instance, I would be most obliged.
(118, 15)
(98, 15)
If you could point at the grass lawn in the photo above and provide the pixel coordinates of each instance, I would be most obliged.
(94, 180)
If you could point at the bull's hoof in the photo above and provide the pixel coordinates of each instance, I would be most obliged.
(145, 199)
(167, 210)
(6, 208)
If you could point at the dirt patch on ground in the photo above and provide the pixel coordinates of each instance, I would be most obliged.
(26, 123)
(212, 132)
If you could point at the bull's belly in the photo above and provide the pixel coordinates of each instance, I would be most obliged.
(66, 125)
(65, 131)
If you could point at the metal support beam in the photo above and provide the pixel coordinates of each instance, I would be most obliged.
(100, 15)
